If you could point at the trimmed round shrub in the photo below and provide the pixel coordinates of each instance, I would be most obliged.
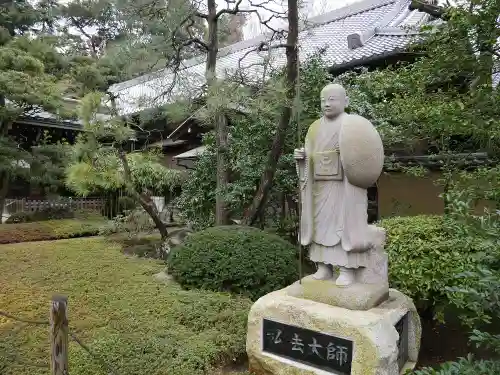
(235, 259)
(425, 257)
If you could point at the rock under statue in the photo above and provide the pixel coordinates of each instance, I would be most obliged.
(342, 156)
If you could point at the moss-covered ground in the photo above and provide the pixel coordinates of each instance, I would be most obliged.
(133, 322)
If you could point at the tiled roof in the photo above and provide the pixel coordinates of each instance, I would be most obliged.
(351, 34)
(51, 120)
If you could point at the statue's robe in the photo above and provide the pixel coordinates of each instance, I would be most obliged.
(334, 220)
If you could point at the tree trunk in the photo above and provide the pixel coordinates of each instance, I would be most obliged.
(147, 203)
(4, 176)
(4, 189)
(486, 41)
(221, 209)
(266, 181)
(144, 200)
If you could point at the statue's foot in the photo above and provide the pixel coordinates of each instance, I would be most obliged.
(346, 277)
(324, 272)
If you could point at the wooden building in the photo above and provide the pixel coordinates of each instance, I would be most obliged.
(370, 33)
(29, 129)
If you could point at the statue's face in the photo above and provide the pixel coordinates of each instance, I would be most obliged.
(333, 101)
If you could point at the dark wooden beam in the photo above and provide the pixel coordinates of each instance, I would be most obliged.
(436, 162)
(431, 9)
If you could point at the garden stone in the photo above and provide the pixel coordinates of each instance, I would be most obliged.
(384, 340)
(163, 276)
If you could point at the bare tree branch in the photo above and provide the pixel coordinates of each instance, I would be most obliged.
(192, 39)
(235, 10)
(433, 10)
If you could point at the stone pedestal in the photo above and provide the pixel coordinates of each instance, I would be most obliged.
(353, 297)
(295, 336)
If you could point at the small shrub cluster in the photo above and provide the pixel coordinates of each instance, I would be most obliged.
(140, 246)
(237, 259)
(48, 230)
(52, 213)
(133, 222)
(425, 257)
(126, 203)
(49, 213)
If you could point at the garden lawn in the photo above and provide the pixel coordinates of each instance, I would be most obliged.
(50, 230)
(115, 305)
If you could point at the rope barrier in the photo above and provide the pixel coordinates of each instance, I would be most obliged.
(12, 317)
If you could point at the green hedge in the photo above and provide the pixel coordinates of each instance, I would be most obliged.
(237, 259)
(48, 230)
(49, 213)
(425, 256)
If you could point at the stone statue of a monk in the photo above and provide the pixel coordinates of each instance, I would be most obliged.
(342, 157)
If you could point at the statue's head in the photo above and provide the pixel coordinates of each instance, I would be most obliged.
(334, 100)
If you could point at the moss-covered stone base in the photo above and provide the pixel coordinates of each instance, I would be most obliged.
(372, 332)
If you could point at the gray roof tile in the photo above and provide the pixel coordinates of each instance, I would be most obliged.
(376, 20)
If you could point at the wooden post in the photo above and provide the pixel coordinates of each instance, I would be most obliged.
(58, 336)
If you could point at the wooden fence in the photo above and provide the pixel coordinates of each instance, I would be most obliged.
(28, 205)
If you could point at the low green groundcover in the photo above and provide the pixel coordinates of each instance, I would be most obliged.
(49, 230)
(135, 323)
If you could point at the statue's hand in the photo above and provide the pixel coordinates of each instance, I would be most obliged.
(299, 154)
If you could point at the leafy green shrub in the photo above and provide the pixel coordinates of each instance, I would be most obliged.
(464, 366)
(49, 213)
(236, 259)
(20, 217)
(425, 257)
(48, 230)
(251, 137)
(126, 203)
(140, 246)
(132, 223)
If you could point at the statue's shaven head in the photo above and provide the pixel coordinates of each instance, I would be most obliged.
(333, 100)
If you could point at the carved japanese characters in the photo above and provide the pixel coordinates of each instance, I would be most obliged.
(314, 348)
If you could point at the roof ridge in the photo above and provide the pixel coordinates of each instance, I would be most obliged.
(349, 11)
(360, 37)
(322, 19)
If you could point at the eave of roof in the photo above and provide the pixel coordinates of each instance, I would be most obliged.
(191, 154)
(49, 123)
(394, 163)
(354, 33)
(50, 120)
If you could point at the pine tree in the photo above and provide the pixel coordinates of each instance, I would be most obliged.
(31, 80)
